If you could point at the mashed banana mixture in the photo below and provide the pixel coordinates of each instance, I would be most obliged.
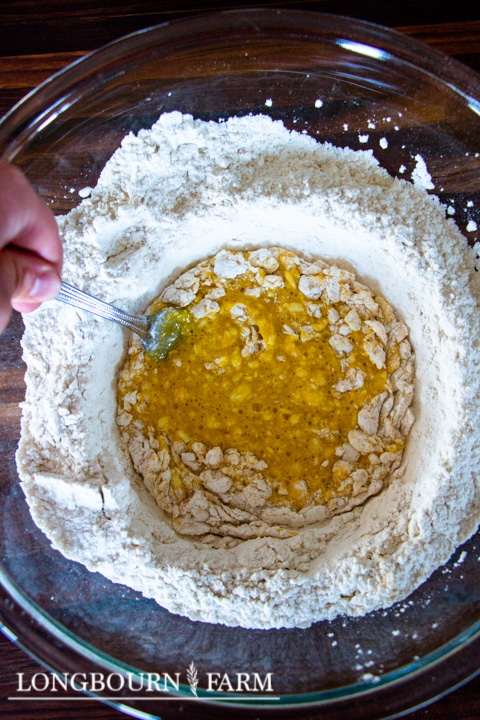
(310, 447)
(286, 403)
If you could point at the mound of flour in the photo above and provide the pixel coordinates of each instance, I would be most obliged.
(178, 193)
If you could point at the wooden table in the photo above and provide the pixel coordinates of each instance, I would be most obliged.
(38, 37)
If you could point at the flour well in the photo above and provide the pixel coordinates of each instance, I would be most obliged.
(287, 402)
(168, 198)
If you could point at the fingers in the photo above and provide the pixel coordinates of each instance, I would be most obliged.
(30, 248)
(25, 282)
(26, 221)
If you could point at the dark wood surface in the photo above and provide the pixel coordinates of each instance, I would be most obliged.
(38, 37)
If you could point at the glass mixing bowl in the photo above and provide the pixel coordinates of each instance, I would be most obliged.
(371, 82)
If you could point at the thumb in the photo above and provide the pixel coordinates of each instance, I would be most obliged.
(26, 280)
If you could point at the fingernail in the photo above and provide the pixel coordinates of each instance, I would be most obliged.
(45, 287)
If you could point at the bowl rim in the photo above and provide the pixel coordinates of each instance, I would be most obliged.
(438, 662)
(385, 43)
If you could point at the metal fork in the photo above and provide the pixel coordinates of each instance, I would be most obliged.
(159, 332)
(71, 295)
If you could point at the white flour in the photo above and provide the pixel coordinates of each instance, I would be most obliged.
(167, 199)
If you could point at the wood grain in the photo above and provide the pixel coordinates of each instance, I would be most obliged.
(41, 37)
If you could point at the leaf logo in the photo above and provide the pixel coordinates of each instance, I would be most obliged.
(192, 678)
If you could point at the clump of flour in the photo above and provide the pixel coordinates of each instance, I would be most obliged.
(176, 194)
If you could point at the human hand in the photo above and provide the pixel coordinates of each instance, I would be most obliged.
(30, 248)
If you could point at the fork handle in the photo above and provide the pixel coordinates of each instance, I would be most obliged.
(82, 300)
